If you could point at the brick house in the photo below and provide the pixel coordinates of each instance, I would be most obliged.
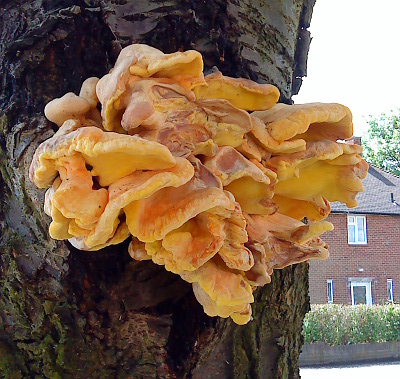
(364, 262)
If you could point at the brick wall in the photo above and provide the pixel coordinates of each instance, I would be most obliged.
(379, 260)
(320, 354)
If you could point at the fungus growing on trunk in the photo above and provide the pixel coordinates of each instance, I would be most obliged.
(175, 162)
(241, 93)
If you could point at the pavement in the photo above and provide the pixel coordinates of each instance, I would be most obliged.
(386, 370)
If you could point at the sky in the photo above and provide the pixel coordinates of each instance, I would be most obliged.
(354, 57)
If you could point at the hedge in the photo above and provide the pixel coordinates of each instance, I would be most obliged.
(343, 324)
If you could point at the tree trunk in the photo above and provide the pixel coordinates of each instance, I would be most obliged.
(66, 313)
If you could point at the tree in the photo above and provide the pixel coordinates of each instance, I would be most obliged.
(71, 314)
(381, 146)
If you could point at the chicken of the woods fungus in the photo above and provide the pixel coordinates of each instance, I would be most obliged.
(209, 176)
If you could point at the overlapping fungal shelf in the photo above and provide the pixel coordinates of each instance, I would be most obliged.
(208, 176)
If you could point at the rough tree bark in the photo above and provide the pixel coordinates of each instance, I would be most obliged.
(71, 314)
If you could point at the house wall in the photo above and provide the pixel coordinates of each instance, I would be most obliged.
(379, 259)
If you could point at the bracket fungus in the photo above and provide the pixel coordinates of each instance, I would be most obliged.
(176, 162)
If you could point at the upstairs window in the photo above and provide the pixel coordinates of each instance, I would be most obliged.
(357, 229)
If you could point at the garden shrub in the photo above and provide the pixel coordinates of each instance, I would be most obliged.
(343, 324)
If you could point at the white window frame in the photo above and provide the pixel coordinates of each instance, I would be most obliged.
(368, 292)
(329, 291)
(389, 283)
(357, 237)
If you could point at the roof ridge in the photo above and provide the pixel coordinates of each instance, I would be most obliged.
(381, 169)
(379, 175)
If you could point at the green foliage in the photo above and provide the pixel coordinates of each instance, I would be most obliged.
(381, 144)
(342, 324)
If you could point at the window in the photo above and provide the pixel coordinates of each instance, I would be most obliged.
(357, 229)
(390, 290)
(361, 293)
(329, 290)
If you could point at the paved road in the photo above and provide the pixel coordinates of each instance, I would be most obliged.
(389, 370)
